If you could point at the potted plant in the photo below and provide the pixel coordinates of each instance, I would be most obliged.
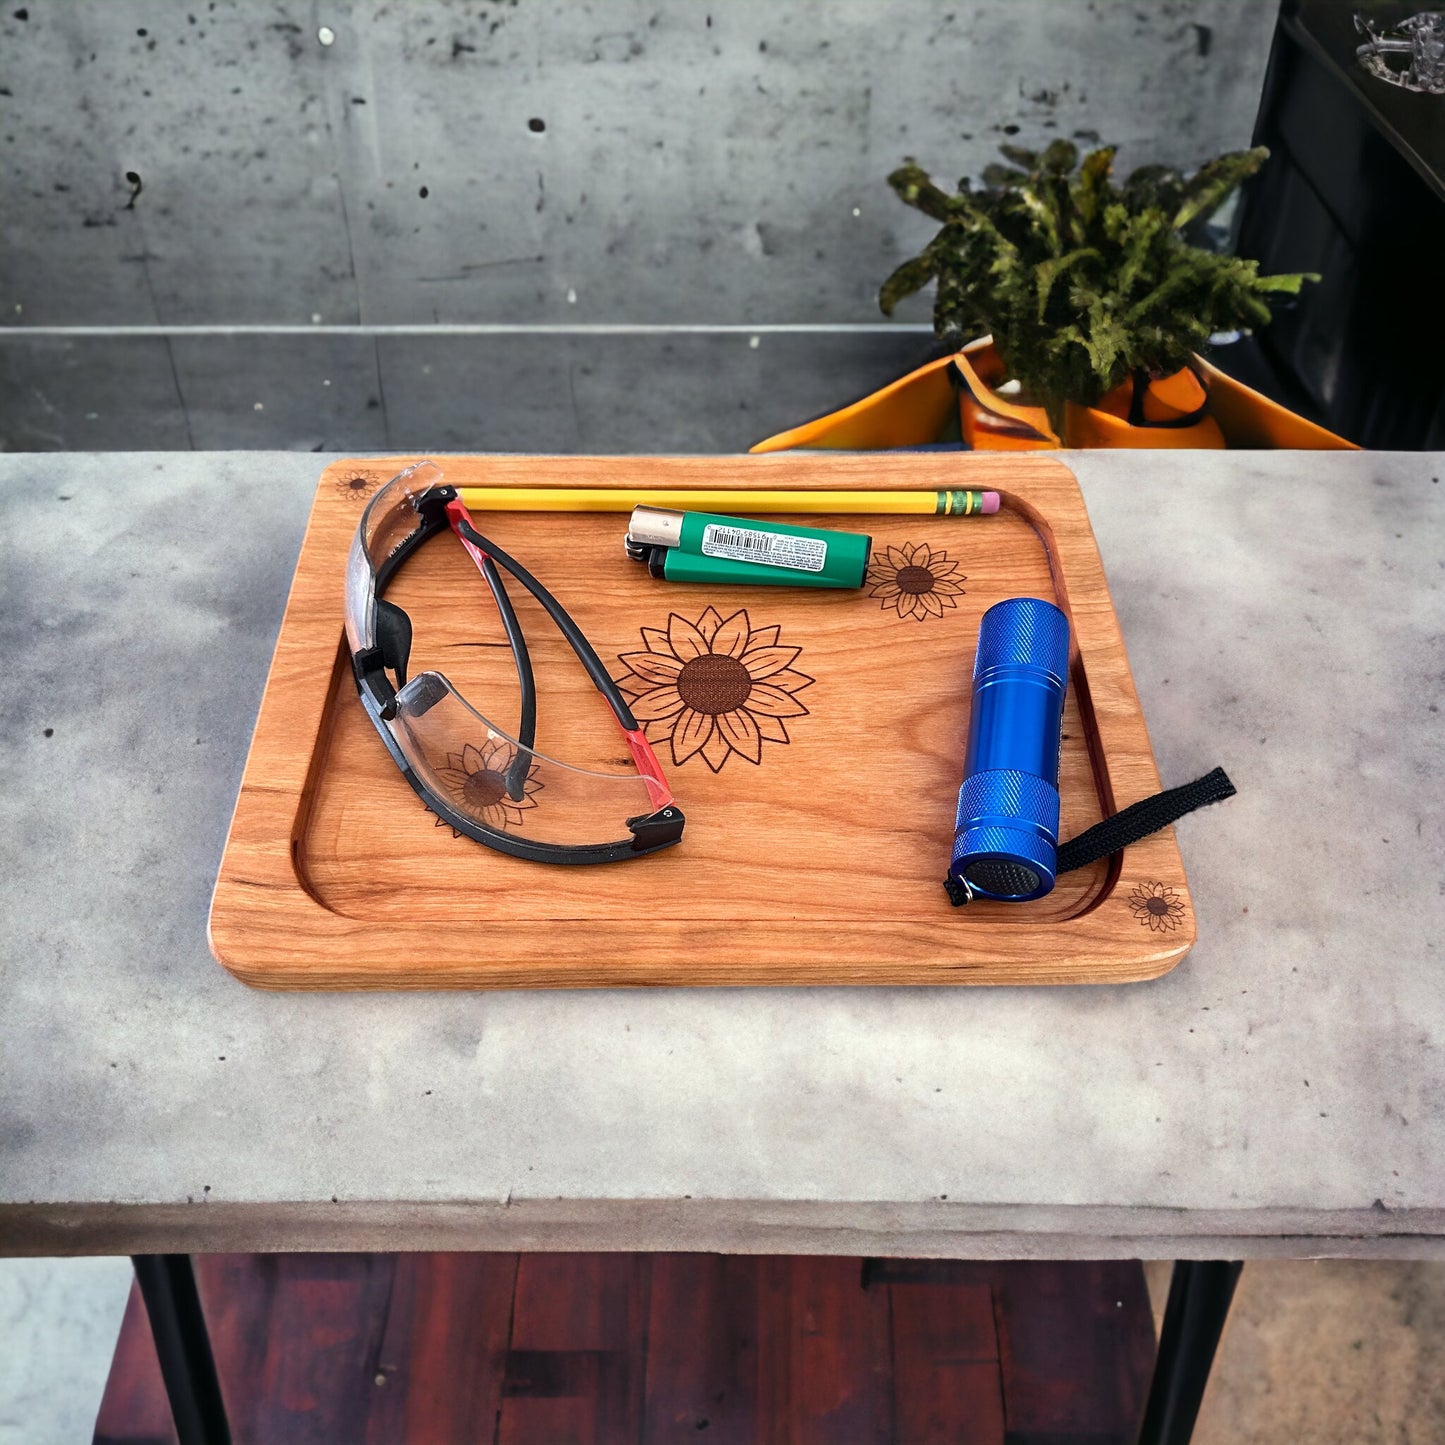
(1075, 309)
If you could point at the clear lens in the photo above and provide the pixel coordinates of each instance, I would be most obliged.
(360, 594)
(390, 518)
(487, 776)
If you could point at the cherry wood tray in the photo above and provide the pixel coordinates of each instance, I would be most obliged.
(813, 854)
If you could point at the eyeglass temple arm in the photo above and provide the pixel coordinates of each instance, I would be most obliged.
(527, 728)
(516, 774)
(462, 525)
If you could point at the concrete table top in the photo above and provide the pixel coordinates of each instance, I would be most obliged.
(1281, 1092)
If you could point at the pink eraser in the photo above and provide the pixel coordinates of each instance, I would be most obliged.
(990, 502)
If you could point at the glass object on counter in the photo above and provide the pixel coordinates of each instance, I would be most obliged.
(1418, 42)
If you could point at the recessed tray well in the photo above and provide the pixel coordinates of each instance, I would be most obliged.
(813, 853)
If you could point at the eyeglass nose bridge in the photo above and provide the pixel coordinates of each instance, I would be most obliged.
(372, 682)
(393, 637)
(389, 653)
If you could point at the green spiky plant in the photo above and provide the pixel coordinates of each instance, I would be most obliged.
(1080, 282)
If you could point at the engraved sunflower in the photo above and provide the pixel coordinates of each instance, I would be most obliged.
(715, 686)
(915, 580)
(358, 486)
(1157, 907)
(476, 778)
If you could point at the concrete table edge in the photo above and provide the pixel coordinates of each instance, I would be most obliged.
(935, 1229)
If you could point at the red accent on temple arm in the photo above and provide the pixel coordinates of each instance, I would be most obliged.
(456, 515)
(649, 768)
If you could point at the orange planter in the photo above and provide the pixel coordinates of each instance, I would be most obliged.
(957, 397)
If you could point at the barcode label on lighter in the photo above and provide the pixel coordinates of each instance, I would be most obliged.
(772, 549)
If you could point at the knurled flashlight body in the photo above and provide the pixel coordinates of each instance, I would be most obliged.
(1007, 830)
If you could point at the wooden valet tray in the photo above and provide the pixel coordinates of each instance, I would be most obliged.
(821, 863)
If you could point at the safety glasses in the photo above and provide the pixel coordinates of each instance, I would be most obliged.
(486, 781)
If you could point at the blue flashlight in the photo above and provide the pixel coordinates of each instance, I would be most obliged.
(1007, 831)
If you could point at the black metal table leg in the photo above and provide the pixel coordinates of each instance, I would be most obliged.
(1200, 1292)
(168, 1286)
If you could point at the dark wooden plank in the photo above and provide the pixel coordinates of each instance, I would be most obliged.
(838, 1356)
(133, 1410)
(702, 1350)
(1076, 1347)
(575, 1368)
(803, 1357)
(238, 1297)
(1076, 1341)
(775, 1350)
(316, 1328)
(947, 1389)
(294, 1337)
(442, 1355)
(957, 1318)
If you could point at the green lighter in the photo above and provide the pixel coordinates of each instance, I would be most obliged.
(700, 547)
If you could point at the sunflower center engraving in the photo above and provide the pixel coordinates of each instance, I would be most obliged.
(915, 580)
(714, 684)
(1158, 906)
(484, 788)
(358, 484)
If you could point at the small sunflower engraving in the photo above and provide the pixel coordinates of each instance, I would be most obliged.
(357, 486)
(1157, 907)
(716, 687)
(915, 580)
(476, 779)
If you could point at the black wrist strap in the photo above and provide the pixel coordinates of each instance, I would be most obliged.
(1136, 821)
(1140, 819)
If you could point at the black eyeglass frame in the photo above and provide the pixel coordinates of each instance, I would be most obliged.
(390, 651)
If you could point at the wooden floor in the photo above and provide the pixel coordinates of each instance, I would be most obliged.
(503, 1349)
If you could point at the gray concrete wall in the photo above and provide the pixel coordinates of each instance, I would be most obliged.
(687, 163)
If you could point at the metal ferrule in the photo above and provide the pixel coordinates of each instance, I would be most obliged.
(655, 527)
(653, 558)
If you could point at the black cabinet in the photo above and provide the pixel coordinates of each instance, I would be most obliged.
(1354, 189)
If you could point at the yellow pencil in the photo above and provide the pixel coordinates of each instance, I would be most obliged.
(624, 499)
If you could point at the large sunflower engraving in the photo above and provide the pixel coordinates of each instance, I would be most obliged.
(1157, 907)
(714, 687)
(915, 580)
(476, 778)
